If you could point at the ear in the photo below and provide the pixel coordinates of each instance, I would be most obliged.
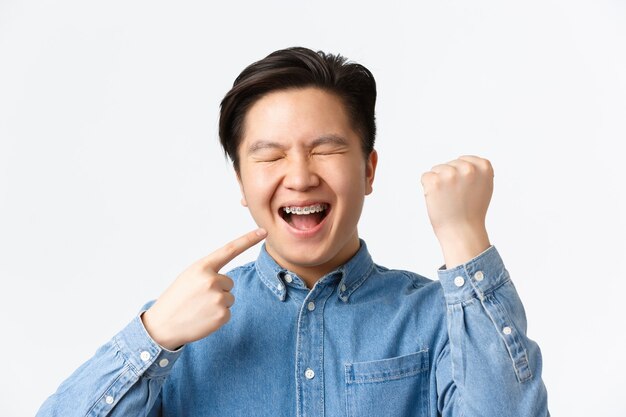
(370, 171)
(243, 194)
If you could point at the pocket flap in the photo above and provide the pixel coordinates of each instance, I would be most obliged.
(387, 369)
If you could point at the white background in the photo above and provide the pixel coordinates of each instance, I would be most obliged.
(112, 180)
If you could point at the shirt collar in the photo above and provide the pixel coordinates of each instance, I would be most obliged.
(350, 275)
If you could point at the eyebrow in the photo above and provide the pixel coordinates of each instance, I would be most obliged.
(330, 140)
(322, 140)
(263, 144)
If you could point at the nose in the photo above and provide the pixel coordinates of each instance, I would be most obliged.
(301, 175)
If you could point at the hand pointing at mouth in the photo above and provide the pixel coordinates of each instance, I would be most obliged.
(198, 302)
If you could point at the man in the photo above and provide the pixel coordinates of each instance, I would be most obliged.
(314, 327)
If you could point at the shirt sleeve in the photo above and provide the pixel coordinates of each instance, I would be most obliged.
(489, 367)
(123, 378)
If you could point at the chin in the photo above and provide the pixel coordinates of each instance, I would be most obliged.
(303, 253)
(326, 253)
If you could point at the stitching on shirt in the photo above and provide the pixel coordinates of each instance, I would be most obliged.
(346, 390)
(264, 279)
(516, 349)
(321, 342)
(416, 280)
(360, 281)
(522, 366)
(405, 371)
(491, 290)
(500, 281)
(456, 299)
(466, 303)
(127, 360)
(248, 267)
(298, 362)
(391, 376)
(98, 402)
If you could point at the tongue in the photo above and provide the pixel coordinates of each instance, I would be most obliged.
(306, 221)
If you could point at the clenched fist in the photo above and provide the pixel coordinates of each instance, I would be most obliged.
(457, 197)
(198, 302)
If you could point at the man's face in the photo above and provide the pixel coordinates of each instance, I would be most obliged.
(304, 178)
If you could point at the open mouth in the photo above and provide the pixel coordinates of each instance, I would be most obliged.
(304, 217)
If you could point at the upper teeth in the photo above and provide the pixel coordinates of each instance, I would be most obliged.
(315, 208)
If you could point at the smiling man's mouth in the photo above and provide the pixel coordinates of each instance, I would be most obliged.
(304, 217)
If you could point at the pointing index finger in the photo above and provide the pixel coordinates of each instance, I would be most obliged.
(230, 251)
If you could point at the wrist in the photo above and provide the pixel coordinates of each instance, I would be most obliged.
(153, 331)
(462, 243)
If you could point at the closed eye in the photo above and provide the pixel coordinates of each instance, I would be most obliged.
(273, 159)
(268, 156)
(329, 150)
(326, 153)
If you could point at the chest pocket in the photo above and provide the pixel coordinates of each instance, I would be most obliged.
(388, 387)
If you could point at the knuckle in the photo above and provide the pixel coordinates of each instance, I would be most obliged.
(467, 170)
(218, 298)
(212, 282)
(222, 315)
(225, 283)
(433, 181)
(222, 299)
(229, 282)
(229, 298)
(448, 174)
(486, 166)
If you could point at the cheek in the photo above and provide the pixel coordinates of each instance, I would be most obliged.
(258, 189)
(349, 181)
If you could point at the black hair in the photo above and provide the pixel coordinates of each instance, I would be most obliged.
(299, 67)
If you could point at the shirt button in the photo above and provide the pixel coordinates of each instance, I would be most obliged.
(343, 287)
(163, 363)
(479, 276)
(108, 399)
(459, 281)
(309, 374)
(288, 278)
(311, 306)
(145, 356)
(507, 330)
(280, 286)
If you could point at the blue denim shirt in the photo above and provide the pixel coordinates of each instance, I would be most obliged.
(364, 341)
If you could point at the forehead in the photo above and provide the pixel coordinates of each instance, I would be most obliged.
(296, 115)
